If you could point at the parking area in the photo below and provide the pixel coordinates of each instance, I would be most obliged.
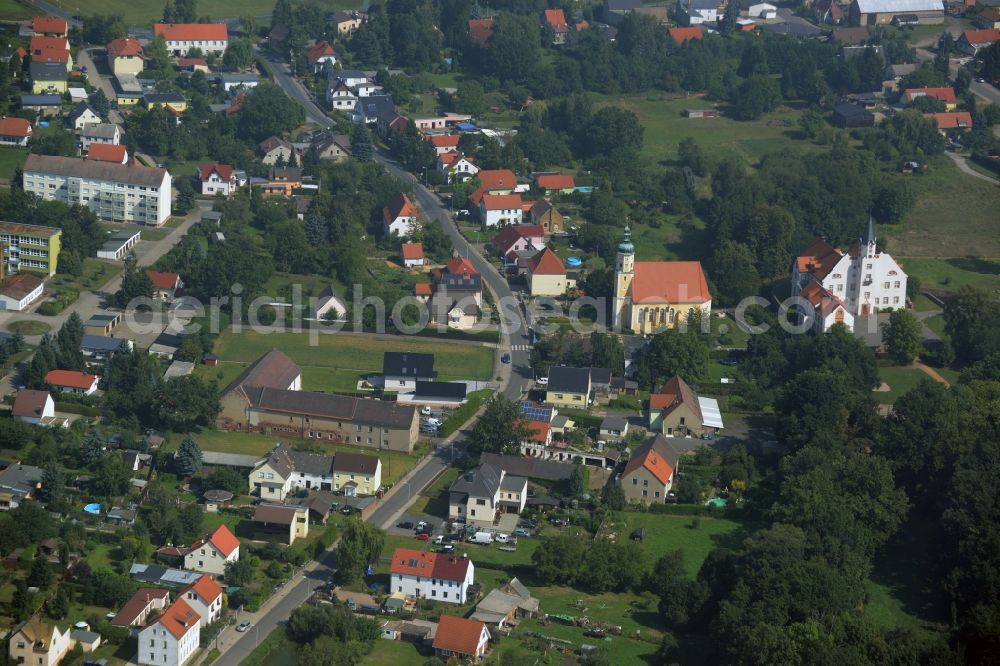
(431, 419)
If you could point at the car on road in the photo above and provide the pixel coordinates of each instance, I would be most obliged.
(243, 626)
(423, 536)
(505, 358)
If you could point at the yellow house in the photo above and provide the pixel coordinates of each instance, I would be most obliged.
(48, 77)
(568, 387)
(547, 275)
(125, 55)
(654, 295)
(38, 643)
(169, 100)
(357, 474)
(30, 248)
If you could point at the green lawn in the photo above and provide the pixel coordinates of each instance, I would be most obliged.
(395, 653)
(900, 380)
(10, 157)
(147, 11)
(28, 327)
(15, 9)
(358, 355)
(102, 555)
(96, 273)
(665, 533)
(949, 274)
(433, 500)
(955, 216)
(394, 464)
(665, 128)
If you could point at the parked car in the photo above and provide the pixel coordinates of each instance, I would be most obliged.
(542, 381)
(423, 536)
(560, 522)
(530, 524)
(445, 549)
(347, 509)
(243, 626)
(405, 525)
(425, 411)
(521, 532)
(505, 358)
(452, 537)
(432, 422)
(482, 538)
(439, 539)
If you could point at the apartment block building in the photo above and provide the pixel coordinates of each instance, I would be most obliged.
(116, 192)
(29, 247)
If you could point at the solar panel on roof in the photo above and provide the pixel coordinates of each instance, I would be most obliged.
(536, 412)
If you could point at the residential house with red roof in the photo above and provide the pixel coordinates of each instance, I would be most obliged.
(989, 18)
(182, 37)
(205, 597)
(71, 381)
(460, 266)
(676, 410)
(172, 637)
(497, 181)
(212, 553)
(443, 143)
(496, 210)
(412, 254)
(946, 95)
(548, 183)
(516, 240)
(974, 41)
(547, 275)
(51, 50)
(319, 55)
(539, 434)
(442, 577)
(108, 152)
(959, 120)
(652, 295)
(14, 131)
(455, 166)
(165, 285)
(650, 472)
(462, 639)
(554, 23)
(193, 65)
(849, 284)
(217, 179)
(50, 26)
(135, 611)
(481, 32)
(681, 35)
(125, 55)
(399, 216)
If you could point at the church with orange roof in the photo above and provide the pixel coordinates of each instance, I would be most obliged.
(653, 295)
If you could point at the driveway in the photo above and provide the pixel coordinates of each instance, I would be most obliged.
(85, 58)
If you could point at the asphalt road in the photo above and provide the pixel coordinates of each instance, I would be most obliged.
(514, 378)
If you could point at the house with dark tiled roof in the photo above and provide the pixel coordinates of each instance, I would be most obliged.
(400, 370)
(144, 602)
(286, 522)
(357, 474)
(481, 494)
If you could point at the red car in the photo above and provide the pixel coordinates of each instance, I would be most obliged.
(423, 536)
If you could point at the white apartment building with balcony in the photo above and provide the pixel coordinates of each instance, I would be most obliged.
(116, 192)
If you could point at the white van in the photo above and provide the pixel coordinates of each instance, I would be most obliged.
(482, 538)
(503, 538)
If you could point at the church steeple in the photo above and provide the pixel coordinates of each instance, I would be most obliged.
(626, 247)
(868, 243)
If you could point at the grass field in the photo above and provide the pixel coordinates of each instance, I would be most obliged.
(28, 327)
(395, 653)
(900, 380)
(144, 11)
(665, 533)
(14, 9)
(955, 216)
(394, 464)
(336, 362)
(952, 273)
(665, 128)
(10, 157)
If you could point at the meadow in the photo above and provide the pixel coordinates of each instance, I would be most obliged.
(146, 11)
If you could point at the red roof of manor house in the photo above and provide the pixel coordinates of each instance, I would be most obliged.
(443, 566)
